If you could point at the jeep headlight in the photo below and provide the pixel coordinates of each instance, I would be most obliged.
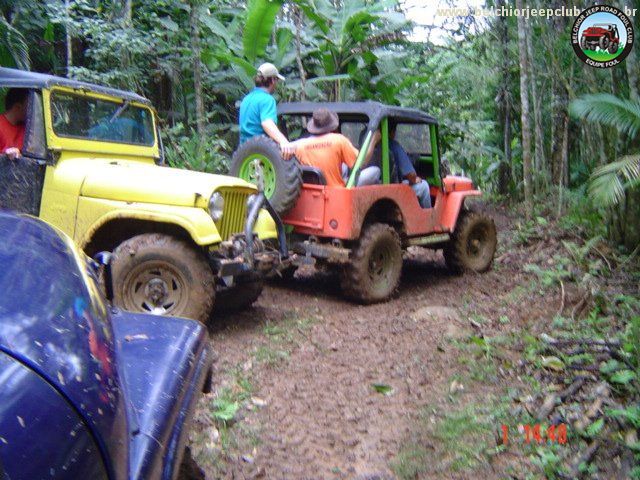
(216, 206)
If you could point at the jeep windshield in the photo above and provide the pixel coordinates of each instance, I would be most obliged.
(91, 118)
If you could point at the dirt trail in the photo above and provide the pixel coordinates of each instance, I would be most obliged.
(322, 417)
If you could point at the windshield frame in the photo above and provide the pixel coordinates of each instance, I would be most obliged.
(57, 142)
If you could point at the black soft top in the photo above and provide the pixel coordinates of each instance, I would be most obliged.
(374, 111)
(10, 77)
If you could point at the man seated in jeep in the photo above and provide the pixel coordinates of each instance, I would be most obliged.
(404, 170)
(12, 122)
(332, 152)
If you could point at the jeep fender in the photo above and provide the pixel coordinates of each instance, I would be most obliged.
(451, 208)
(94, 214)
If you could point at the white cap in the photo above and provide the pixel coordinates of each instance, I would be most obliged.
(268, 70)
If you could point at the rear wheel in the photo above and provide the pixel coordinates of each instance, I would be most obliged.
(162, 275)
(259, 161)
(613, 48)
(473, 243)
(604, 43)
(373, 274)
(242, 295)
(583, 44)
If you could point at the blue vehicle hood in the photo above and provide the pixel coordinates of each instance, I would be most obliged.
(132, 378)
(53, 319)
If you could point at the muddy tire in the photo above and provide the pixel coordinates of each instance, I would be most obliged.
(240, 296)
(162, 275)
(259, 161)
(604, 43)
(473, 243)
(373, 274)
(583, 44)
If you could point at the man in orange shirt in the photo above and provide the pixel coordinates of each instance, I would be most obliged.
(328, 150)
(12, 122)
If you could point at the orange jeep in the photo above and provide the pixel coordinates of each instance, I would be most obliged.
(363, 231)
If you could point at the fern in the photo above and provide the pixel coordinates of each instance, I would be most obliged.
(609, 110)
(609, 182)
(13, 44)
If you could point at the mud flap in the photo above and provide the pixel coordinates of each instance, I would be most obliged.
(21, 182)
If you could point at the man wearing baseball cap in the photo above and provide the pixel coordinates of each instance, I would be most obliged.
(258, 114)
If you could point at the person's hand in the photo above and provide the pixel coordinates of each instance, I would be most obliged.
(376, 137)
(12, 153)
(288, 150)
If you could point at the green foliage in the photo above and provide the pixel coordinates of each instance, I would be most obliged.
(609, 182)
(260, 20)
(185, 150)
(14, 51)
(383, 388)
(548, 460)
(621, 114)
(225, 410)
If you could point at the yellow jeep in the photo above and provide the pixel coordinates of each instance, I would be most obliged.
(92, 165)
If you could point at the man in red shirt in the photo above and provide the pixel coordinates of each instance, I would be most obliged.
(12, 122)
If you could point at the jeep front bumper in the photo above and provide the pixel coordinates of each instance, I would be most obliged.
(237, 256)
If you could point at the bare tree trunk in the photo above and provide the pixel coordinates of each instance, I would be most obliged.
(194, 22)
(560, 115)
(632, 73)
(539, 163)
(127, 13)
(297, 15)
(504, 101)
(524, 100)
(68, 37)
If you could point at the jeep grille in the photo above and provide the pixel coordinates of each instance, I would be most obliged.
(235, 212)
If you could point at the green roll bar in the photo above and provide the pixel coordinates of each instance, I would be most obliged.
(360, 159)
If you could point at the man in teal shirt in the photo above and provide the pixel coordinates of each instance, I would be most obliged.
(258, 113)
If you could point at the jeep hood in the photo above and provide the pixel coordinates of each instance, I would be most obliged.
(145, 183)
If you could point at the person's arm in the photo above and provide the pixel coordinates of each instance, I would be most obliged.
(268, 118)
(271, 129)
(12, 153)
(372, 146)
(403, 162)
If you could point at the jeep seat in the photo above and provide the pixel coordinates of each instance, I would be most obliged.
(312, 175)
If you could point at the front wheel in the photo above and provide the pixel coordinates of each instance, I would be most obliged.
(162, 275)
(373, 274)
(472, 244)
(583, 44)
(613, 48)
(240, 296)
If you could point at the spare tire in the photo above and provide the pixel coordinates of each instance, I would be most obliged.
(259, 161)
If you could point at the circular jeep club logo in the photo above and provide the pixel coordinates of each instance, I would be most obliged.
(602, 36)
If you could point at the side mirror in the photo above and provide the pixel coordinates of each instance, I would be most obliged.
(104, 260)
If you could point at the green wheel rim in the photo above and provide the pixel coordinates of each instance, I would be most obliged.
(258, 169)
